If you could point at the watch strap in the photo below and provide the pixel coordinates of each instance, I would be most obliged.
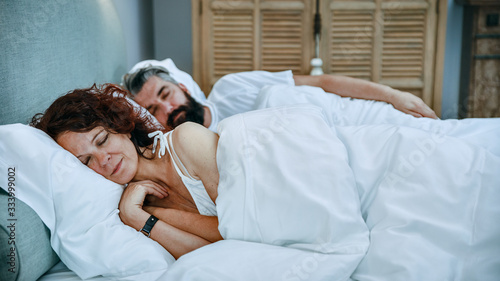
(146, 229)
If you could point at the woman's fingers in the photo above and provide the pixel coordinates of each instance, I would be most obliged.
(160, 190)
(134, 195)
(158, 187)
(149, 187)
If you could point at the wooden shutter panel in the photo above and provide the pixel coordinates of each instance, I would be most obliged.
(389, 42)
(408, 46)
(285, 35)
(232, 42)
(250, 35)
(227, 45)
(350, 40)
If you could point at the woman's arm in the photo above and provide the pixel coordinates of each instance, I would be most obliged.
(357, 88)
(200, 225)
(177, 242)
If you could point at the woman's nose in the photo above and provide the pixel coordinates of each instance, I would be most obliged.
(103, 159)
(100, 163)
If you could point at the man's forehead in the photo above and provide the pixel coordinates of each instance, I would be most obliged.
(149, 90)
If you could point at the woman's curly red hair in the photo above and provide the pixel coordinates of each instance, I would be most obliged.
(82, 110)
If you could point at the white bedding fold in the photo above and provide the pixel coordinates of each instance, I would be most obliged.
(271, 192)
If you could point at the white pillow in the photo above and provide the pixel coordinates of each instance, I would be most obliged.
(78, 206)
(179, 75)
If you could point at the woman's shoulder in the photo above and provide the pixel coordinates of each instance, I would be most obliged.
(192, 138)
(190, 132)
(196, 146)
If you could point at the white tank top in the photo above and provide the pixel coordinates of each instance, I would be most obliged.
(195, 187)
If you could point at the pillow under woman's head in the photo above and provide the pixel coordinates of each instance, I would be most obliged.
(79, 207)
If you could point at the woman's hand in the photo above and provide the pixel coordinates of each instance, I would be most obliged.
(132, 213)
(411, 104)
(131, 203)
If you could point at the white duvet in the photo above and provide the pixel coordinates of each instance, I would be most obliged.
(430, 202)
(376, 202)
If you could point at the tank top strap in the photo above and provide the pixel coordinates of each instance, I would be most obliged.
(173, 154)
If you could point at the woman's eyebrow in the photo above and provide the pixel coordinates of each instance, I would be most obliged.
(95, 136)
(92, 141)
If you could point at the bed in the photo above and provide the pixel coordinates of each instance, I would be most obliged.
(63, 233)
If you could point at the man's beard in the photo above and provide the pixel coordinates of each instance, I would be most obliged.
(190, 111)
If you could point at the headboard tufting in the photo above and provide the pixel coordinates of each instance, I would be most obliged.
(50, 47)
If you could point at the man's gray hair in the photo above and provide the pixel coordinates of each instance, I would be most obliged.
(134, 82)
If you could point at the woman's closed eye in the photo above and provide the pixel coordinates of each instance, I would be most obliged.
(86, 161)
(103, 140)
(100, 142)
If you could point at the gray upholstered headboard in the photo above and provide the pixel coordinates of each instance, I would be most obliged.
(48, 48)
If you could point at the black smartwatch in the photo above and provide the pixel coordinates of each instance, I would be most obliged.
(146, 230)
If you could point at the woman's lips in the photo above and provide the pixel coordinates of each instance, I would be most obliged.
(117, 167)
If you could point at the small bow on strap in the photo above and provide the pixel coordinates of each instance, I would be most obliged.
(159, 137)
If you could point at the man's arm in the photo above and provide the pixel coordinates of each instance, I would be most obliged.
(357, 88)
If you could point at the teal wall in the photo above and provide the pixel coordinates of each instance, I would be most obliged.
(452, 61)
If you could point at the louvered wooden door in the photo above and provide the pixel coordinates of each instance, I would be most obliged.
(387, 41)
(249, 35)
(390, 42)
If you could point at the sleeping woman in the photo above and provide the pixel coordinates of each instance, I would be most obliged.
(287, 177)
(105, 133)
